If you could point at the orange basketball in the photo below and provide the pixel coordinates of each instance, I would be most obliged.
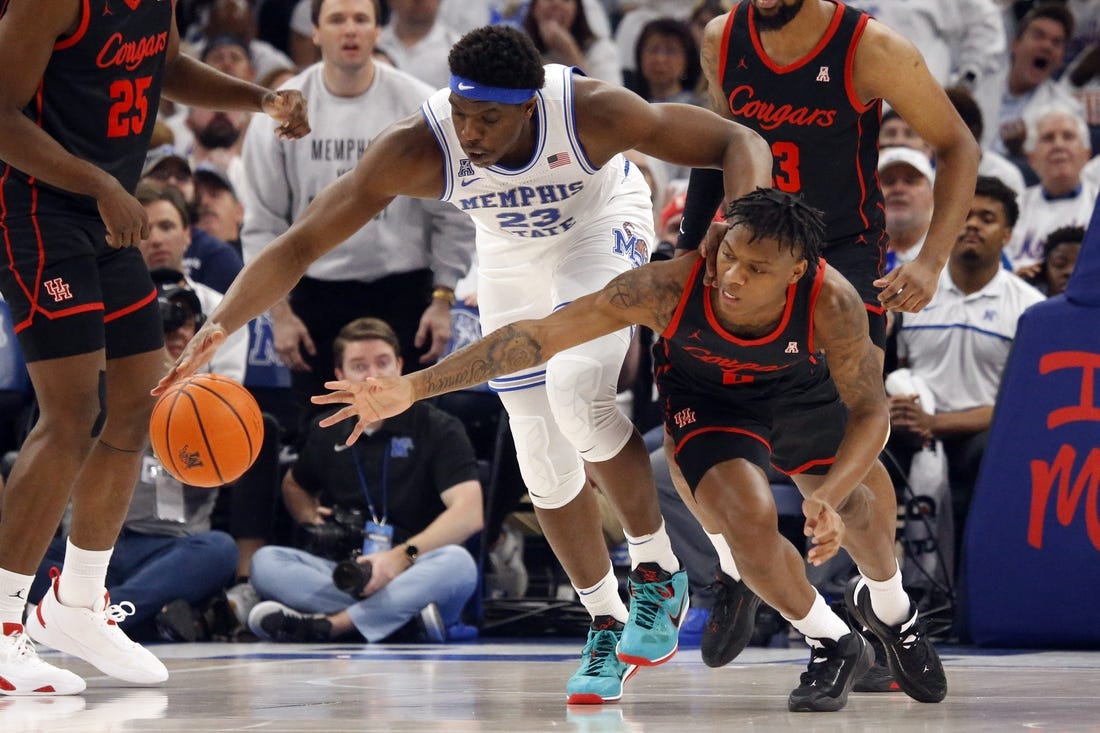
(206, 430)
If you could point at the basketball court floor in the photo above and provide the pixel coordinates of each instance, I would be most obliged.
(507, 686)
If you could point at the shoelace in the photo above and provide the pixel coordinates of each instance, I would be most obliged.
(23, 648)
(118, 612)
(720, 589)
(599, 650)
(910, 633)
(820, 667)
(647, 603)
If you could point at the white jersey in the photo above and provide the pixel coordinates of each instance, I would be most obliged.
(557, 191)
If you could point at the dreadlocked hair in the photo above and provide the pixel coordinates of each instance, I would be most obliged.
(498, 56)
(771, 214)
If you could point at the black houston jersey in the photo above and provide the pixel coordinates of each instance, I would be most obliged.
(824, 141)
(697, 355)
(98, 98)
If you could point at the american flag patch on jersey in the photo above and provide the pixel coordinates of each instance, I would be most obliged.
(559, 159)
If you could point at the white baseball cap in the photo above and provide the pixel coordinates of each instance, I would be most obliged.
(910, 157)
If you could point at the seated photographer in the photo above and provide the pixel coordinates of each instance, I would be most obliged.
(406, 493)
(167, 561)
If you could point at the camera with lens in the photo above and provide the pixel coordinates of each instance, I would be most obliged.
(341, 535)
(341, 538)
(351, 576)
(178, 304)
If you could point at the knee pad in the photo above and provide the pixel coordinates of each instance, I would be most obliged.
(549, 465)
(581, 392)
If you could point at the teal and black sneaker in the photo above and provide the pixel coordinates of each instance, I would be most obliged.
(601, 676)
(658, 605)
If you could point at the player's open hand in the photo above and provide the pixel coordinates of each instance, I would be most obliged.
(287, 106)
(825, 529)
(199, 350)
(908, 287)
(708, 250)
(123, 216)
(371, 400)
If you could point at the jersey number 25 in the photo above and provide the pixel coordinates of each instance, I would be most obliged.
(128, 114)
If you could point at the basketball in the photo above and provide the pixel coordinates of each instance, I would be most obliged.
(206, 430)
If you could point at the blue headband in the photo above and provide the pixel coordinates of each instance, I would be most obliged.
(485, 93)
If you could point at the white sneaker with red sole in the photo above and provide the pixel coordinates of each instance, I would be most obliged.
(93, 635)
(23, 672)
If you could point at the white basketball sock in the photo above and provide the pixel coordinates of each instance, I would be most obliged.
(14, 589)
(821, 622)
(602, 599)
(83, 576)
(655, 547)
(888, 599)
(725, 557)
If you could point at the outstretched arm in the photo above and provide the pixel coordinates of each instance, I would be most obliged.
(612, 119)
(647, 295)
(340, 210)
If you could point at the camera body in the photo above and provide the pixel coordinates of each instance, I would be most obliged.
(340, 537)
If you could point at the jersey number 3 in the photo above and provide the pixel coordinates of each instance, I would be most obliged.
(786, 157)
(131, 108)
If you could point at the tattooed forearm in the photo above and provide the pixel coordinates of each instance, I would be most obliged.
(650, 291)
(506, 350)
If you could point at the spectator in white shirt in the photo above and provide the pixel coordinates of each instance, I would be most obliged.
(1057, 147)
(959, 343)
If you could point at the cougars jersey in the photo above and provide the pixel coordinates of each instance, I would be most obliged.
(824, 141)
(557, 189)
(697, 355)
(98, 98)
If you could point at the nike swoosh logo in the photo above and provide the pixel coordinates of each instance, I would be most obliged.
(676, 619)
(467, 183)
(340, 447)
(465, 87)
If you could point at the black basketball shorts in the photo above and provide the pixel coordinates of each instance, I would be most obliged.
(799, 435)
(70, 293)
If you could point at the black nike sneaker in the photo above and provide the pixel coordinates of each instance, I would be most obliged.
(912, 659)
(834, 667)
(732, 619)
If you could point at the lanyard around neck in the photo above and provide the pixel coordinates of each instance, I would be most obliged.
(385, 481)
